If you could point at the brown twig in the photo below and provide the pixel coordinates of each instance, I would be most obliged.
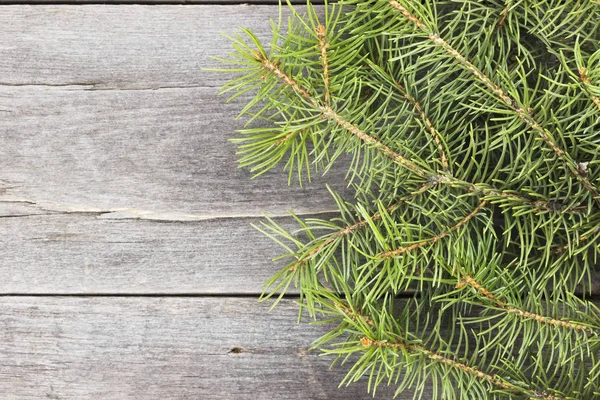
(416, 349)
(355, 314)
(582, 238)
(323, 46)
(435, 134)
(469, 281)
(287, 137)
(505, 12)
(585, 79)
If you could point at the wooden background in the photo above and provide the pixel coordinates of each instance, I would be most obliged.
(128, 266)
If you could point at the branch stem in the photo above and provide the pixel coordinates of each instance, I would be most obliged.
(417, 349)
(323, 45)
(512, 104)
(347, 230)
(469, 281)
(435, 134)
(330, 114)
(428, 242)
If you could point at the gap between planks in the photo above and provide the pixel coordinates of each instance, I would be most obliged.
(156, 2)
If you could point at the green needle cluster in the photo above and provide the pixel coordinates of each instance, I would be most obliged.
(472, 134)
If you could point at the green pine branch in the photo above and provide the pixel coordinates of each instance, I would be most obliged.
(473, 131)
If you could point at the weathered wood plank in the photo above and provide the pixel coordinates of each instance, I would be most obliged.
(162, 348)
(158, 154)
(123, 47)
(75, 139)
(182, 2)
(88, 254)
(106, 114)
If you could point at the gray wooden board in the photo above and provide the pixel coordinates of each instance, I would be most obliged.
(212, 2)
(158, 154)
(163, 348)
(106, 114)
(107, 108)
(85, 253)
(123, 47)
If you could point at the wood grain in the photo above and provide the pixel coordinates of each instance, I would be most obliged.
(88, 254)
(157, 2)
(124, 47)
(109, 109)
(155, 154)
(163, 348)
(107, 116)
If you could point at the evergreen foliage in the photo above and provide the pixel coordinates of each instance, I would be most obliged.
(473, 130)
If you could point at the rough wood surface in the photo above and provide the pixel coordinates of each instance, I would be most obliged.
(162, 348)
(123, 47)
(87, 254)
(155, 154)
(179, 2)
(105, 108)
(107, 116)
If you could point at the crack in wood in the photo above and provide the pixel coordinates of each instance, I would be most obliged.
(137, 214)
(157, 2)
(98, 86)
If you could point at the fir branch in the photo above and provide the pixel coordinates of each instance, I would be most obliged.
(417, 349)
(503, 16)
(582, 238)
(349, 229)
(435, 134)
(289, 136)
(519, 111)
(469, 281)
(493, 380)
(428, 242)
(363, 84)
(354, 315)
(332, 115)
(399, 344)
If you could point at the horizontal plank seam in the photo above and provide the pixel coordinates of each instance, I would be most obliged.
(256, 295)
(146, 215)
(183, 294)
(96, 86)
(159, 2)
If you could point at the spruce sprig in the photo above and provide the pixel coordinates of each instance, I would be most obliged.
(472, 133)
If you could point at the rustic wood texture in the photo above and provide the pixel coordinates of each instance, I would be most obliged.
(162, 348)
(117, 178)
(129, 47)
(88, 254)
(154, 154)
(178, 2)
(107, 117)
